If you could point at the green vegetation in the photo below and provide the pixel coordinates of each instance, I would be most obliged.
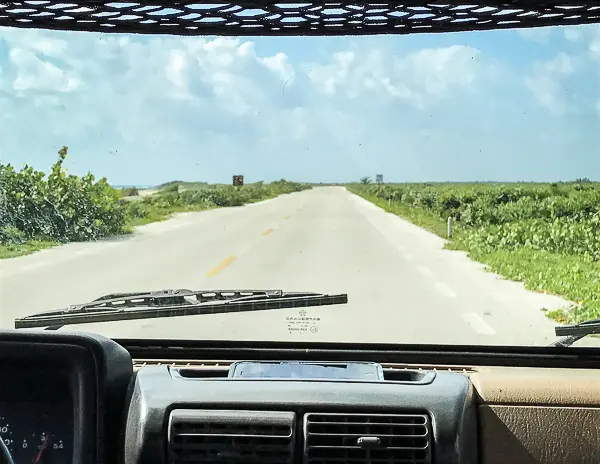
(180, 197)
(39, 211)
(180, 185)
(130, 192)
(545, 235)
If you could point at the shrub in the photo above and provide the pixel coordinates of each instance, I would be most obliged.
(130, 192)
(60, 207)
(558, 218)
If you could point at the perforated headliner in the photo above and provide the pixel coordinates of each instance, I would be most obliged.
(267, 18)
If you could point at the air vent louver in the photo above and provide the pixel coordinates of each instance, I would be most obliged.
(367, 439)
(232, 437)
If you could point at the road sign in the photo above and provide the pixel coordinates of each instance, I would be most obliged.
(238, 180)
(379, 178)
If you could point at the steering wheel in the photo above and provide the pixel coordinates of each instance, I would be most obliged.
(5, 457)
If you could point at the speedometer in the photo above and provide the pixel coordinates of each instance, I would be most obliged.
(46, 448)
(36, 433)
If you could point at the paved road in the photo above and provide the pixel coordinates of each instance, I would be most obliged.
(402, 285)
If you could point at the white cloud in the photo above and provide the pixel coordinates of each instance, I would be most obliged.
(279, 64)
(419, 78)
(232, 104)
(595, 46)
(32, 73)
(125, 71)
(539, 34)
(338, 74)
(588, 36)
(174, 71)
(441, 69)
(552, 81)
(573, 34)
(546, 82)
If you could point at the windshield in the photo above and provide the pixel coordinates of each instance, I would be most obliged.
(445, 182)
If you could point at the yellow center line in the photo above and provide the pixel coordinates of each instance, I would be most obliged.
(222, 265)
(267, 232)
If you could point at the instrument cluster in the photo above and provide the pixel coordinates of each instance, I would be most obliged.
(37, 432)
(54, 391)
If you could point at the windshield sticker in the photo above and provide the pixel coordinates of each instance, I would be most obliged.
(303, 322)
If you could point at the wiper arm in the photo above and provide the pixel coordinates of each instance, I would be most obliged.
(175, 303)
(571, 333)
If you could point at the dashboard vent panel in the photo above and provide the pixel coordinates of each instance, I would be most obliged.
(232, 437)
(367, 438)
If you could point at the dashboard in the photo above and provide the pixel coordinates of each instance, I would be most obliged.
(81, 398)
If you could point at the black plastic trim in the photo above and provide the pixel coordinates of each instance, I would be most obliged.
(99, 370)
(475, 355)
(448, 400)
(242, 421)
(427, 459)
(314, 18)
(408, 376)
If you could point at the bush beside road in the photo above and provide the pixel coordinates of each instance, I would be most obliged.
(39, 211)
(545, 235)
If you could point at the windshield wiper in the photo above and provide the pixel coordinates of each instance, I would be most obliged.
(572, 333)
(174, 303)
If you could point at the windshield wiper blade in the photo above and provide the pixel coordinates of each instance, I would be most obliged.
(175, 303)
(572, 333)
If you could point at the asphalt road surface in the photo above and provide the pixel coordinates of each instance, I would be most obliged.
(403, 286)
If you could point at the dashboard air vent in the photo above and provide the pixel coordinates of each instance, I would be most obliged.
(367, 438)
(232, 437)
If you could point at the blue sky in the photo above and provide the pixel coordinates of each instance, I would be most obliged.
(498, 105)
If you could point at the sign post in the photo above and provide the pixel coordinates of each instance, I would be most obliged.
(379, 178)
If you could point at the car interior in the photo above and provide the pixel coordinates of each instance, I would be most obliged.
(160, 401)
(103, 401)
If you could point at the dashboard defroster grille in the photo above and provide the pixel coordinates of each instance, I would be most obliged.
(367, 438)
(232, 437)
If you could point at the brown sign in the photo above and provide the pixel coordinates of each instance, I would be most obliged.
(238, 180)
